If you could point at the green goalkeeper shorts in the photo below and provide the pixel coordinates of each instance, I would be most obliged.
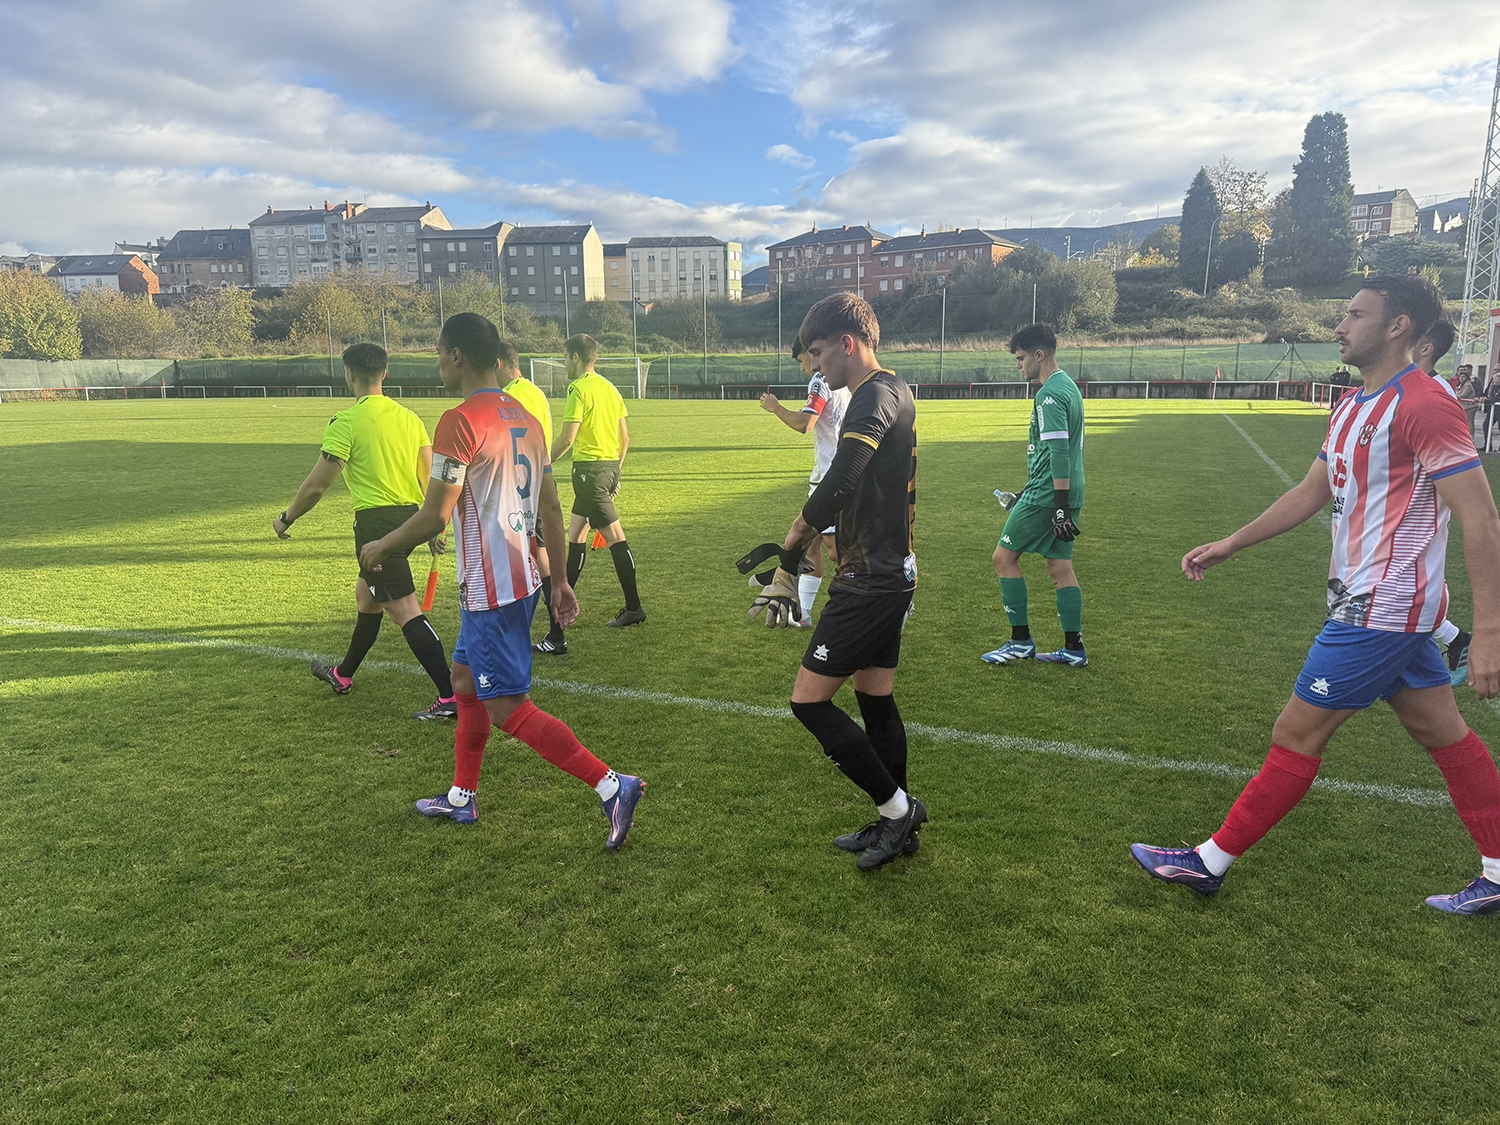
(1028, 531)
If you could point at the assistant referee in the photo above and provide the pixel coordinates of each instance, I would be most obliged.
(385, 456)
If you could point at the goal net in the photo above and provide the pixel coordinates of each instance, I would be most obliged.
(628, 374)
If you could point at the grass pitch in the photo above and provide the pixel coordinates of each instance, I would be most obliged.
(220, 906)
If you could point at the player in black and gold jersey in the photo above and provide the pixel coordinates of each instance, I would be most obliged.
(869, 495)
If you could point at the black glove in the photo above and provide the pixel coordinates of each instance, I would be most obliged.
(793, 562)
(1062, 522)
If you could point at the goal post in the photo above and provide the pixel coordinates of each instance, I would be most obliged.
(628, 373)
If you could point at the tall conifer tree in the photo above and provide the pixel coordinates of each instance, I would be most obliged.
(1321, 244)
(1200, 213)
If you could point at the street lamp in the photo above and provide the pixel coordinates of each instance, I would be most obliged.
(1210, 257)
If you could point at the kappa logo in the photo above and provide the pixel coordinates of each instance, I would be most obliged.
(1005, 538)
(1367, 433)
(1320, 686)
(1049, 401)
(484, 681)
(820, 653)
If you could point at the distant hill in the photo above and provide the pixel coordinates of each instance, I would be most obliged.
(1055, 239)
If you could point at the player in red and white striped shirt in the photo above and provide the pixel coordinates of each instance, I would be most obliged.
(1398, 460)
(492, 474)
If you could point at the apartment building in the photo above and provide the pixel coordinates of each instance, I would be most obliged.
(198, 259)
(616, 272)
(450, 253)
(28, 263)
(683, 266)
(292, 246)
(122, 273)
(890, 269)
(825, 259)
(1380, 213)
(549, 268)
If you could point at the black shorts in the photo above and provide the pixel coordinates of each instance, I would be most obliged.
(594, 483)
(394, 580)
(857, 631)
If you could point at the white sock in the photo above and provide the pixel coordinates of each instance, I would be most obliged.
(807, 589)
(896, 807)
(1215, 858)
(1491, 868)
(609, 786)
(1446, 633)
(458, 798)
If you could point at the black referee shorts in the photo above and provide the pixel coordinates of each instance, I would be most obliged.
(857, 631)
(394, 580)
(594, 483)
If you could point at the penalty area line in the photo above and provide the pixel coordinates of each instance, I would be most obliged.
(1003, 743)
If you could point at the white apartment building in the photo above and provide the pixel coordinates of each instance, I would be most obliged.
(292, 246)
(682, 266)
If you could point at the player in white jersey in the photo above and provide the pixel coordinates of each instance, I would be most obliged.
(823, 414)
(492, 474)
(1397, 462)
(1433, 346)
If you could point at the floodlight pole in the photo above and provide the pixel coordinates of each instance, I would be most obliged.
(329, 314)
(384, 340)
(440, 302)
(703, 285)
(780, 348)
(1210, 257)
(1033, 302)
(942, 331)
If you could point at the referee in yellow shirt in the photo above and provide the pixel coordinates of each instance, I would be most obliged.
(593, 426)
(383, 451)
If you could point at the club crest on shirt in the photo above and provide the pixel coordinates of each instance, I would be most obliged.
(1367, 433)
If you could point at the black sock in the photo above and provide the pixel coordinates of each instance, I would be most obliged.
(423, 641)
(625, 568)
(554, 630)
(1020, 632)
(577, 553)
(886, 732)
(847, 747)
(1072, 640)
(366, 629)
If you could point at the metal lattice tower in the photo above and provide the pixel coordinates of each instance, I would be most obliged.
(1482, 268)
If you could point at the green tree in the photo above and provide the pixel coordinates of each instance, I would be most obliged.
(217, 322)
(116, 326)
(1201, 216)
(1242, 193)
(606, 321)
(1408, 251)
(1320, 243)
(1030, 259)
(36, 320)
(682, 321)
(1160, 247)
(328, 307)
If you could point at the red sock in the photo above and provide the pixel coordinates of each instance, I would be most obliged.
(1283, 780)
(468, 743)
(1474, 785)
(552, 739)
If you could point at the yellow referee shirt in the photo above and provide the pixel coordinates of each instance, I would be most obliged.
(529, 395)
(598, 408)
(377, 439)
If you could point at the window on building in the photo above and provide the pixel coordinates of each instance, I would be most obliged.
(411, 228)
(848, 248)
(513, 271)
(635, 255)
(614, 265)
(531, 291)
(900, 261)
(830, 276)
(531, 251)
(614, 283)
(557, 271)
(942, 255)
(697, 255)
(573, 250)
(898, 283)
(390, 228)
(778, 255)
(427, 248)
(515, 290)
(488, 247)
(883, 284)
(450, 247)
(557, 290)
(262, 251)
(885, 261)
(392, 249)
(281, 251)
(847, 272)
(1361, 224)
(575, 290)
(369, 230)
(859, 248)
(557, 251)
(574, 271)
(1378, 209)
(426, 267)
(530, 271)
(463, 247)
(411, 247)
(512, 250)
(452, 267)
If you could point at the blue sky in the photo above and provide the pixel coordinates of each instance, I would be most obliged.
(131, 119)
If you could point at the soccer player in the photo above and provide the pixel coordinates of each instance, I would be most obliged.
(383, 452)
(491, 472)
(823, 414)
(1044, 519)
(1397, 462)
(869, 495)
(1433, 346)
(593, 426)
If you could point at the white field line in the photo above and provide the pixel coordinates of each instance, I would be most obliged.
(1400, 794)
(1286, 477)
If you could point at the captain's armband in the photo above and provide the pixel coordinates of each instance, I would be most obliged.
(448, 470)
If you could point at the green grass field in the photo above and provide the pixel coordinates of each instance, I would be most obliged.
(220, 906)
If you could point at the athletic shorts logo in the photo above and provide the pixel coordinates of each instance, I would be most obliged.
(484, 681)
(1005, 538)
(820, 653)
(1367, 433)
(1320, 686)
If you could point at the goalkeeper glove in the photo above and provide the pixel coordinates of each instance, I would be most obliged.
(1062, 523)
(778, 601)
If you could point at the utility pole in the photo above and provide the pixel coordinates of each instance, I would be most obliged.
(1210, 257)
(1033, 302)
(329, 315)
(440, 302)
(780, 349)
(384, 342)
(942, 333)
(703, 288)
(567, 322)
(1482, 262)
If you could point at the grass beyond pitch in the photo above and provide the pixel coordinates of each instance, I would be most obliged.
(220, 905)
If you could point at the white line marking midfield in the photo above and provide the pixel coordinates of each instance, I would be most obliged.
(1399, 794)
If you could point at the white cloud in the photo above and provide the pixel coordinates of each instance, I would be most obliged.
(786, 154)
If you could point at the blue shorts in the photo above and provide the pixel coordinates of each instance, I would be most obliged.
(495, 644)
(1349, 667)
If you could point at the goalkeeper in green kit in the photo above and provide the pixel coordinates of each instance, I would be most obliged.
(1044, 518)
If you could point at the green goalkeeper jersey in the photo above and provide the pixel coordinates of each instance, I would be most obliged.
(1055, 446)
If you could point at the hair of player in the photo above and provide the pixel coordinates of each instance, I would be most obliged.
(797, 348)
(1034, 337)
(584, 346)
(1410, 296)
(508, 356)
(840, 314)
(1441, 334)
(366, 362)
(475, 336)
